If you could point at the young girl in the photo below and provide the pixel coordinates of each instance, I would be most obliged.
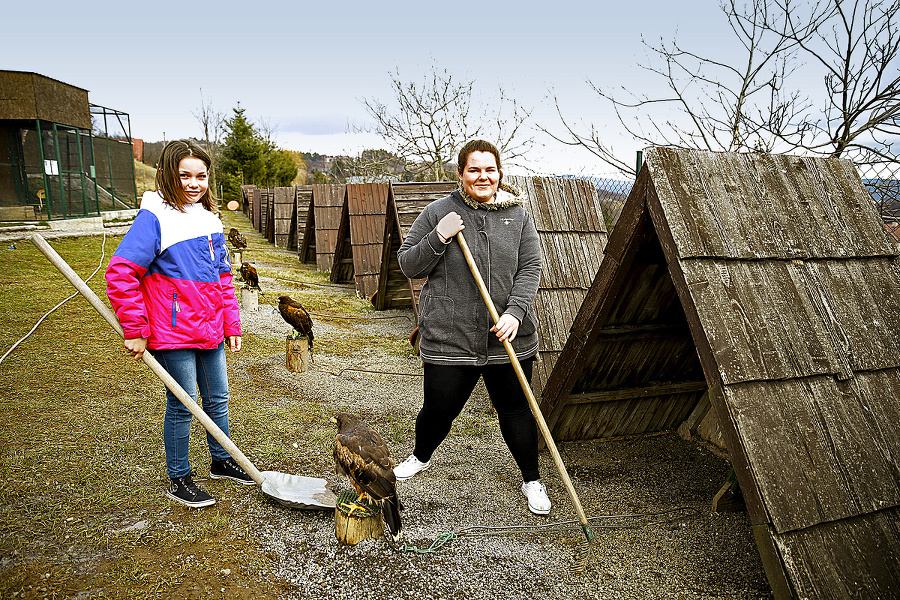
(169, 283)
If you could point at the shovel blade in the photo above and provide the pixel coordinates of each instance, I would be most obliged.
(297, 491)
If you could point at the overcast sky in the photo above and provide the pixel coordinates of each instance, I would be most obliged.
(305, 66)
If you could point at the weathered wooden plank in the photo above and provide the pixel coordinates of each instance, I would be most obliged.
(663, 389)
(838, 451)
(852, 558)
(749, 206)
(778, 319)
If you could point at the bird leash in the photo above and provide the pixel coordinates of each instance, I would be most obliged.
(581, 556)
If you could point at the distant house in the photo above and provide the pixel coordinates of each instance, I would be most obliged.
(60, 155)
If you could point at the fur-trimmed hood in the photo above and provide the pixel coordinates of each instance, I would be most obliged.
(506, 196)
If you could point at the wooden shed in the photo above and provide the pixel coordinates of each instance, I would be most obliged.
(768, 284)
(254, 200)
(573, 236)
(284, 216)
(245, 198)
(405, 202)
(302, 223)
(357, 254)
(322, 223)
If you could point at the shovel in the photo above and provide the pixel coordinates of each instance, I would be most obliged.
(526, 387)
(294, 491)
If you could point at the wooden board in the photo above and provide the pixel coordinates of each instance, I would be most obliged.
(284, 212)
(836, 455)
(328, 201)
(360, 237)
(405, 202)
(785, 319)
(756, 206)
(572, 238)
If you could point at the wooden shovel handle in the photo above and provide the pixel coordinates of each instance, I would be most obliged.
(526, 387)
(148, 359)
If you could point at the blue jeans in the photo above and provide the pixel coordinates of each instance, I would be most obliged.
(193, 368)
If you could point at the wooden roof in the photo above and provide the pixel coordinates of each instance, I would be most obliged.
(767, 282)
(405, 202)
(266, 213)
(254, 200)
(573, 236)
(361, 236)
(284, 215)
(325, 220)
(245, 198)
(304, 225)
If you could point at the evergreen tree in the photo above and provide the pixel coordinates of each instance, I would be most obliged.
(280, 168)
(243, 156)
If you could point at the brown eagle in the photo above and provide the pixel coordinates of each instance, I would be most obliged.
(248, 274)
(236, 239)
(361, 454)
(297, 317)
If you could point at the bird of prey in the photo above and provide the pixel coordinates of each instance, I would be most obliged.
(297, 317)
(236, 239)
(249, 275)
(361, 454)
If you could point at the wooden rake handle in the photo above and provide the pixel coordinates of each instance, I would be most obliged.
(526, 387)
(148, 359)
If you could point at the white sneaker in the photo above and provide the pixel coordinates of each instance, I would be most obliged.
(410, 467)
(536, 493)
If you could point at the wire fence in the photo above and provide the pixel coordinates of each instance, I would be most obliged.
(882, 179)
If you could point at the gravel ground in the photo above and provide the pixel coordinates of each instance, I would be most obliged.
(669, 544)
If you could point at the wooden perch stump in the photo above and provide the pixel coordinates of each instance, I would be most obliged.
(249, 299)
(361, 525)
(297, 353)
(237, 257)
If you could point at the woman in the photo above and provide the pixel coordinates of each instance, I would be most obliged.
(458, 341)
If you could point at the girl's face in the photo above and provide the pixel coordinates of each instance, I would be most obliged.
(480, 177)
(194, 178)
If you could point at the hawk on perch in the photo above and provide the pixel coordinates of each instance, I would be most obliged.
(297, 317)
(237, 239)
(363, 456)
(249, 275)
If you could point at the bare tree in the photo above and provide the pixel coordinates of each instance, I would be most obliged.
(429, 122)
(857, 46)
(212, 124)
(372, 166)
(749, 105)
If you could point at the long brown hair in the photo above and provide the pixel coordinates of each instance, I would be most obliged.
(168, 180)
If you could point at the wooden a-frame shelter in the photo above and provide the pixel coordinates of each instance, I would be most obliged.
(357, 253)
(766, 283)
(300, 227)
(284, 217)
(573, 236)
(321, 226)
(405, 202)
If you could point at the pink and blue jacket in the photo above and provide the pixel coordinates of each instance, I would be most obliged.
(170, 278)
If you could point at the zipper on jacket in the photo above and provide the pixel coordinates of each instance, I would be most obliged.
(175, 308)
(212, 251)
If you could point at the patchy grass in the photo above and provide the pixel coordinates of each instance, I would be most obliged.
(82, 466)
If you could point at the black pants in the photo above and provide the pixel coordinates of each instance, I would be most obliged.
(447, 388)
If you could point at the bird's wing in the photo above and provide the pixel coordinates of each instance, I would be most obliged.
(368, 461)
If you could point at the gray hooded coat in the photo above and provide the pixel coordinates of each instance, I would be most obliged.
(454, 323)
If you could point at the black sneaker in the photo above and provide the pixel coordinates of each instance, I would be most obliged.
(184, 490)
(228, 469)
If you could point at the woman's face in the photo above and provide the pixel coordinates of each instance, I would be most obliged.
(194, 178)
(480, 177)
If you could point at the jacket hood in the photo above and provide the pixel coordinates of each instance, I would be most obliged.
(506, 196)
